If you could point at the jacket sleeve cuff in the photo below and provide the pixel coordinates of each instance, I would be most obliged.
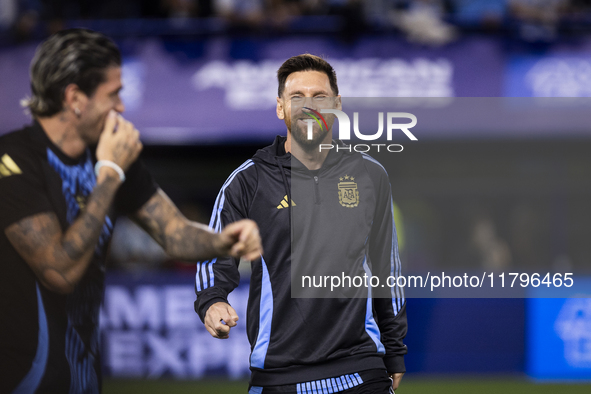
(395, 364)
(205, 300)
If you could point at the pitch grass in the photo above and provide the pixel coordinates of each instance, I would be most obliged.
(429, 385)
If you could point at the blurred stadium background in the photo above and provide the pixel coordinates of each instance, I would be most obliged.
(200, 85)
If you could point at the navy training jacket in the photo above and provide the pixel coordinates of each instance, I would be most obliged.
(340, 216)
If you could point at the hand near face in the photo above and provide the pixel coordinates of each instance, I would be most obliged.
(119, 141)
(241, 239)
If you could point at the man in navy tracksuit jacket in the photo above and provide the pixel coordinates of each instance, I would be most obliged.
(294, 193)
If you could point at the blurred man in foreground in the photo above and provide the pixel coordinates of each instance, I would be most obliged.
(64, 179)
(310, 345)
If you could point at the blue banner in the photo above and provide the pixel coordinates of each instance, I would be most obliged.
(559, 337)
(150, 330)
(222, 90)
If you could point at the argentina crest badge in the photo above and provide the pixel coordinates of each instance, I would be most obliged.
(348, 192)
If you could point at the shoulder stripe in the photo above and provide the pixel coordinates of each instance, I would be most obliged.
(368, 157)
(215, 221)
(396, 270)
(8, 167)
(395, 264)
(205, 268)
(10, 164)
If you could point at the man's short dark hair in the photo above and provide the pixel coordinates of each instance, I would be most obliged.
(77, 56)
(306, 62)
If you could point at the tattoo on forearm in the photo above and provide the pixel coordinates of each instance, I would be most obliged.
(151, 219)
(84, 233)
(179, 237)
(39, 239)
(28, 235)
(189, 242)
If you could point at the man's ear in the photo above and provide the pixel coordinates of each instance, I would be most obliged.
(338, 103)
(75, 99)
(280, 112)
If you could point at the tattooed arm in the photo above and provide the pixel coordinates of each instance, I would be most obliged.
(60, 259)
(193, 241)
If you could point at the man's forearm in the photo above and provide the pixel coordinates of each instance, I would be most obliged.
(187, 240)
(79, 241)
(191, 241)
(60, 259)
(179, 237)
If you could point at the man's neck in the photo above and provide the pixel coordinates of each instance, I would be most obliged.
(62, 132)
(312, 159)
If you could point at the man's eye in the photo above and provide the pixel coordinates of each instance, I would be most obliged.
(297, 98)
(320, 98)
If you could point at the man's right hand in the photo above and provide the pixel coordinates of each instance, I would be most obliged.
(214, 316)
(240, 239)
(123, 146)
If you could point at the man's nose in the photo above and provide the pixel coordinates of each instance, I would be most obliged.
(120, 107)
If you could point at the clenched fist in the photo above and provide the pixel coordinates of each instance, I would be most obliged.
(241, 239)
(219, 318)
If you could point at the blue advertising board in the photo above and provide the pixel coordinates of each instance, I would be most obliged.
(223, 90)
(566, 75)
(150, 330)
(559, 337)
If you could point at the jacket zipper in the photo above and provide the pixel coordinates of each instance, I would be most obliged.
(316, 190)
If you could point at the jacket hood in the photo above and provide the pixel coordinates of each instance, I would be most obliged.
(275, 153)
(276, 156)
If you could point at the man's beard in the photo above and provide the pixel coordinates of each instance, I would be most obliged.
(301, 136)
(91, 131)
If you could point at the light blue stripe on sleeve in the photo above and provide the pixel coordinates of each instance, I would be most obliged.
(210, 266)
(204, 277)
(219, 202)
(397, 292)
(395, 261)
(398, 263)
(394, 290)
(216, 224)
(197, 277)
(255, 390)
